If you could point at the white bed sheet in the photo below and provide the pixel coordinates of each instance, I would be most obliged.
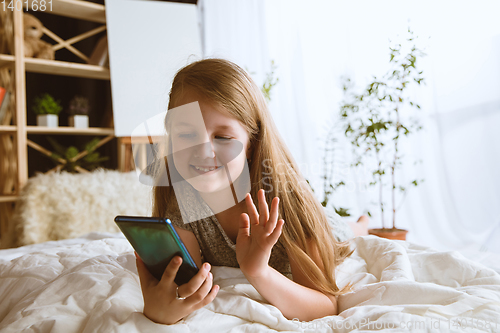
(90, 284)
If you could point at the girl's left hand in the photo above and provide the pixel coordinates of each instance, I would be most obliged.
(257, 235)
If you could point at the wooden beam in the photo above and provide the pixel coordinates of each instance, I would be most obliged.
(80, 37)
(20, 92)
(65, 44)
(85, 152)
(42, 150)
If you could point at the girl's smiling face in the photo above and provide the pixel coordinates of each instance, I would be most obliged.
(209, 147)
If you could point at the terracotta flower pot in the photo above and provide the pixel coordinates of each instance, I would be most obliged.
(392, 233)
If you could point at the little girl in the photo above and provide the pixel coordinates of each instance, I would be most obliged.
(287, 251)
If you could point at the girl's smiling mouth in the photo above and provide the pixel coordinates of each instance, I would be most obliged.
(202, 170)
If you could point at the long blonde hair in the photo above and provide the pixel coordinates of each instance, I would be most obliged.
(226, 84)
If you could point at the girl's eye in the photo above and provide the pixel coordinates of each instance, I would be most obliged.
(187, 135)
(222, 138)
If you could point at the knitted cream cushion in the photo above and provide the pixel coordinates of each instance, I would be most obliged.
(66, 205)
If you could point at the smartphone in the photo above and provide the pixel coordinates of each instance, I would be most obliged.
(156, 242)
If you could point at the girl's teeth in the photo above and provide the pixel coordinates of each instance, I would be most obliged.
(203, 169)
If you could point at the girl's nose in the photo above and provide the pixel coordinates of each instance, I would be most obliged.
(204, 150)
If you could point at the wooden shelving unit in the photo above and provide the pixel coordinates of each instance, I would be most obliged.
(59, 130)
(14, 140)
(77, 9)
(69, 130)
(66, 68)
(6, 60)
(8, 129)
(8, 198)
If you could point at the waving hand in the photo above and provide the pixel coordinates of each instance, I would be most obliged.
(258, 233)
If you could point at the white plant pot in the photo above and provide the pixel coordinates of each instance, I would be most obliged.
(79, 121)
(49, 120)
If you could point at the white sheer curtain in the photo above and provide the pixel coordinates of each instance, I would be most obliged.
(314, 43)
(237, 30)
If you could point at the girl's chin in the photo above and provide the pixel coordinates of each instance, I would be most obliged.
(207, 188)
(208, 185)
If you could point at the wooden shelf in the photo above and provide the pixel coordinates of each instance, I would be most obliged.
(82, 10)
(6, 59)
(8, 198)
(66, 68)
(62, 130)
(56, 67)
(8, 129)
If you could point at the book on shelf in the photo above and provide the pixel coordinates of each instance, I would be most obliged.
(99, 56)
(4, 103)
(2, 94)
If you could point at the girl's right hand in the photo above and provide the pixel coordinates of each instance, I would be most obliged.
(160, 302)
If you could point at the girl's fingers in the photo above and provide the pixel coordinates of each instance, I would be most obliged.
(263, 208)
(252, 210)
(188, 289)
(209, 298)
(273, 218)
(244, 230)
(171, 271)
(268, 220)
(203, 291)
(275, 235)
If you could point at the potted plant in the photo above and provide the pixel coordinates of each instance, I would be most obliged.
(375, 124)
(47, 110)
(79, 112)
(75, 160)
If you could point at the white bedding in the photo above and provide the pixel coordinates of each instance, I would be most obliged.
(91, 285)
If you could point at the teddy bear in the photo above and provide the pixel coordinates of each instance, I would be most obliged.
(34, 47)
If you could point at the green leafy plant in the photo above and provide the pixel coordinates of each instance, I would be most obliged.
(79, 105)
(329, 186)
(269, 83)
(46, 104)
(327, 193)
(90, 161)
(374, 120)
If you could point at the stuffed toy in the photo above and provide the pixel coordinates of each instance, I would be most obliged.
(34, 47)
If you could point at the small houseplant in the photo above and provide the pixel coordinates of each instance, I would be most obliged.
(47, 110)
(76, 160)
(376, 120)
(79, 112)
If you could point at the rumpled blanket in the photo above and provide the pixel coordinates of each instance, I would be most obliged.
(91, 284)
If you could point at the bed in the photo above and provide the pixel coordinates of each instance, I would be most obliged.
(90, 284)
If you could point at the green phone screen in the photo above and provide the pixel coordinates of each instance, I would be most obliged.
(157, 242)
